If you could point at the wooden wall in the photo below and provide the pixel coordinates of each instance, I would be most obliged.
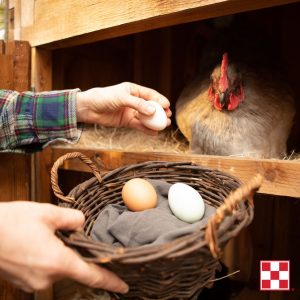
(15, 169)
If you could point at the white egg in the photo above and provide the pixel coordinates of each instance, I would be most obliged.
(157, 121)
(186, 203)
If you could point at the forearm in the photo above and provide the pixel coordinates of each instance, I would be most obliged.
(37, 118)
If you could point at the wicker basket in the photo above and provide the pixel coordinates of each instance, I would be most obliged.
(176, 270)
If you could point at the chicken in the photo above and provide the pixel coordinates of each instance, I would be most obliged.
(239, 106)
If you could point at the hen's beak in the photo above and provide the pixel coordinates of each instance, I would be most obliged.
(224, 99)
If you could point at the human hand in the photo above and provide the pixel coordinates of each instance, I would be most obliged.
(119, 105)
(32, 257)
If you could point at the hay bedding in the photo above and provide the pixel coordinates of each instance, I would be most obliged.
(125, 139)
(108, 138)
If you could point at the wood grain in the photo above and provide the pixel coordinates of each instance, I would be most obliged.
(16, 32)
(281, 176)
(15, 176)
(90, 21)
(21, 52)
(2, 47)
(15, 65)
(15, 170)
(41, 78)
(27, 13)
(6, 74)
(15, 185)
(43, 164)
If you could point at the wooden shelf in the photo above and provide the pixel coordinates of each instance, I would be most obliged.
(281, 176)
(44, 22)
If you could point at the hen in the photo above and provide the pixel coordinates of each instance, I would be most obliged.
(238, 104)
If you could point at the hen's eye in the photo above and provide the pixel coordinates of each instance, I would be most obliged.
(237, 89)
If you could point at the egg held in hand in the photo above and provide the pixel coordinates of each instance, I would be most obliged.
(139, 194)
(186, 203)
(157, 121)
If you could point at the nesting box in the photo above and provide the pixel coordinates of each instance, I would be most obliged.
(149, 42)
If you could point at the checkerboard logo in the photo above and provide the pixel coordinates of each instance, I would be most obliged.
(274, 275)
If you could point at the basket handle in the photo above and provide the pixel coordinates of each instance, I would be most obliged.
(245, 191)
(59, 162)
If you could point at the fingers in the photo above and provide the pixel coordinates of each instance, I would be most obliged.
(168, 113)
(148, 94)
(64, 218)
(92, 275)
(138, 104)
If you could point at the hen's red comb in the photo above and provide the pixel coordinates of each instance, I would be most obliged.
(223, 83)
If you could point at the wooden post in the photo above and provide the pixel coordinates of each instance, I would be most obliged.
(21, 53)
(15, 170)
(41, 80)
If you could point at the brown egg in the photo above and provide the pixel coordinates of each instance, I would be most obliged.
(138, 194)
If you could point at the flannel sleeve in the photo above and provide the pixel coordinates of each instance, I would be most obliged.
(34, 120)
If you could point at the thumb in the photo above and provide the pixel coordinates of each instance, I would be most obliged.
(91, 274)
(65, 218)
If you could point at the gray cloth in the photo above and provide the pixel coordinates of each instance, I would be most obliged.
(118, 226)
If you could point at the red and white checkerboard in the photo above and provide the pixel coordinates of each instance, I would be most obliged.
(274, 275)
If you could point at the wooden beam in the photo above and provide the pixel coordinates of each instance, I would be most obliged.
(6, 74)
(2, 47)
(11, 3)
(15, 168)
(90, 21)
(17, 20)
(21, 52)
(41, 78)
(27, 13)
(281, 176)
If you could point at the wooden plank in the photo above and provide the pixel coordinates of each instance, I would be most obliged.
(11, 17)
(17, 20)
(27, 13)
(90, 21)
(6, 74)
(261, 240)
(8, 292)
(15, 171)
(14, 185)
(21, 52)
(11, 3)
(15, 65)
(43, 164)
(146, 56)
(281, 238)
(281, 176)
(41, 78)
(14, 174)
(44, 295)
(2, 47)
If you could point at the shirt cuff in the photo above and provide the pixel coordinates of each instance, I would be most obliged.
(44, 118)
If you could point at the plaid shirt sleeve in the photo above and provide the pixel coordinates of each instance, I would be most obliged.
(34, 120)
